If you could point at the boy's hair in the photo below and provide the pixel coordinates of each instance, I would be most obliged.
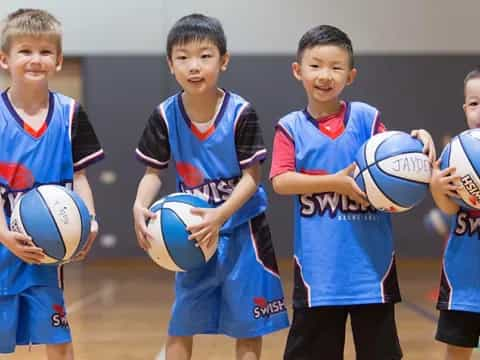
(196, 27)
(325, 35)
(30, 22)
(473, 74)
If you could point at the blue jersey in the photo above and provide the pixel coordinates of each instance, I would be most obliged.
(30, 158)
(208, 163)
(460, 282)
(343, 252)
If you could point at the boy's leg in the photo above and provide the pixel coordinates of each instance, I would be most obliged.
(60, 352)
(179, 347)
(9, 315)
(458, 353)
(317, 333)
(460, 331)
(252, 300)
(43, 320)
(375, 332)
(249, 348)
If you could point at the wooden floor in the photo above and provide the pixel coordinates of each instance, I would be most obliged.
(119, 311)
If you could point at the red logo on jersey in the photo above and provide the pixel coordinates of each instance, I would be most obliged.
(59, 317)
(264, 308)
(191, 176)
(18, 176)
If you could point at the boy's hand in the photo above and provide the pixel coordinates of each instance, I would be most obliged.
(347, 186)
(206, 232)
(428, 144)
(444, 181)
(82, 254)
(22, 246)
(140, 216)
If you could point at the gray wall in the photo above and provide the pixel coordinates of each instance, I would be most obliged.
(265, 26)
(412, 91)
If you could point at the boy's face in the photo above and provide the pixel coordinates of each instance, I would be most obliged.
(32, 59)
(324, 71)
(196, 66)
(472, 103)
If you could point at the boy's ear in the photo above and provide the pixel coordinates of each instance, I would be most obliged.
(3, 61)
(59, 62)
(170, 65)
(464, 107)
(351, 76)
(225, 60)
(296, 70)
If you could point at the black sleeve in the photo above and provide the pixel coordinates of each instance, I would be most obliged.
(86, 148)
(248, 139)
(153, 148)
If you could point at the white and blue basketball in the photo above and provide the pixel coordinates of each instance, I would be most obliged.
(171, 248)
(463, 153)
(56, 219)
(393, 171)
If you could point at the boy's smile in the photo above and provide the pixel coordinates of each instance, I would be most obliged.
(324, 71)
(196, 66)
(32, 59)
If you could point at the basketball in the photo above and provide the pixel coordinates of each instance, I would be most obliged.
(171, 248)
(462, 153)
(55, 218)
(393, 171)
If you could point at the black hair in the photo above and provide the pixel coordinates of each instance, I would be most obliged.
(325, 35)
(197, 27)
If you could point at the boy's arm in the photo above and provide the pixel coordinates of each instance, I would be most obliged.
(442, 187)
(20, 245)
(148, 188)
(82, 187)
(213, 219)
(287, 181)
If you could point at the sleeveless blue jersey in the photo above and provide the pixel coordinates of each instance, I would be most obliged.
(343, 253)
(26, 161)
(460, 283)
(210, 166)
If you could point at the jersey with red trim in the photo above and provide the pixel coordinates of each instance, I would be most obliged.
(343, 252)
(208, 163)
(30, 158)
(460, 281)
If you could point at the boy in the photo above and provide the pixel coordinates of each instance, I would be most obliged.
(459, 295)
(214, 138)
(45, 138)
(344, 258)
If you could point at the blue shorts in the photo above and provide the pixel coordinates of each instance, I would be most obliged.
(35, 316)
(237, 293)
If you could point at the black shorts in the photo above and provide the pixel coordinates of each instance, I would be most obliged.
(319, 333)
(459, 328)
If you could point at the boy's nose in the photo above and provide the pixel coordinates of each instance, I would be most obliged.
(194, 65)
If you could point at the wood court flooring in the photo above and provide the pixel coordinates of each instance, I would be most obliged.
(119, 311)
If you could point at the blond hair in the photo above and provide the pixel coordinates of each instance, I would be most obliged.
(30, 22)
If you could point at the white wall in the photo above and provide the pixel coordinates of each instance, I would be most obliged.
(267, 26)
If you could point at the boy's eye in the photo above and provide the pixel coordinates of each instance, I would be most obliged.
(180, 57)
(337, 68)
(473, 103)
(206, 56)
(314, 66)
(24, 51)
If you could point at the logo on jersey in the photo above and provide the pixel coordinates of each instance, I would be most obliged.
(18, 176)
(59, 317)
(264, 309)
(190, 175)
(330, 203)
(467, 223)
(216, 191)
(471, 188)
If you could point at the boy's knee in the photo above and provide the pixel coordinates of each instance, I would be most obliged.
(60, 351)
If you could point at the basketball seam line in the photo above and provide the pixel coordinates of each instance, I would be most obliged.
(55, 223)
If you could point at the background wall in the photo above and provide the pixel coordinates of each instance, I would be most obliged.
(266, 26)
(411, 57)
